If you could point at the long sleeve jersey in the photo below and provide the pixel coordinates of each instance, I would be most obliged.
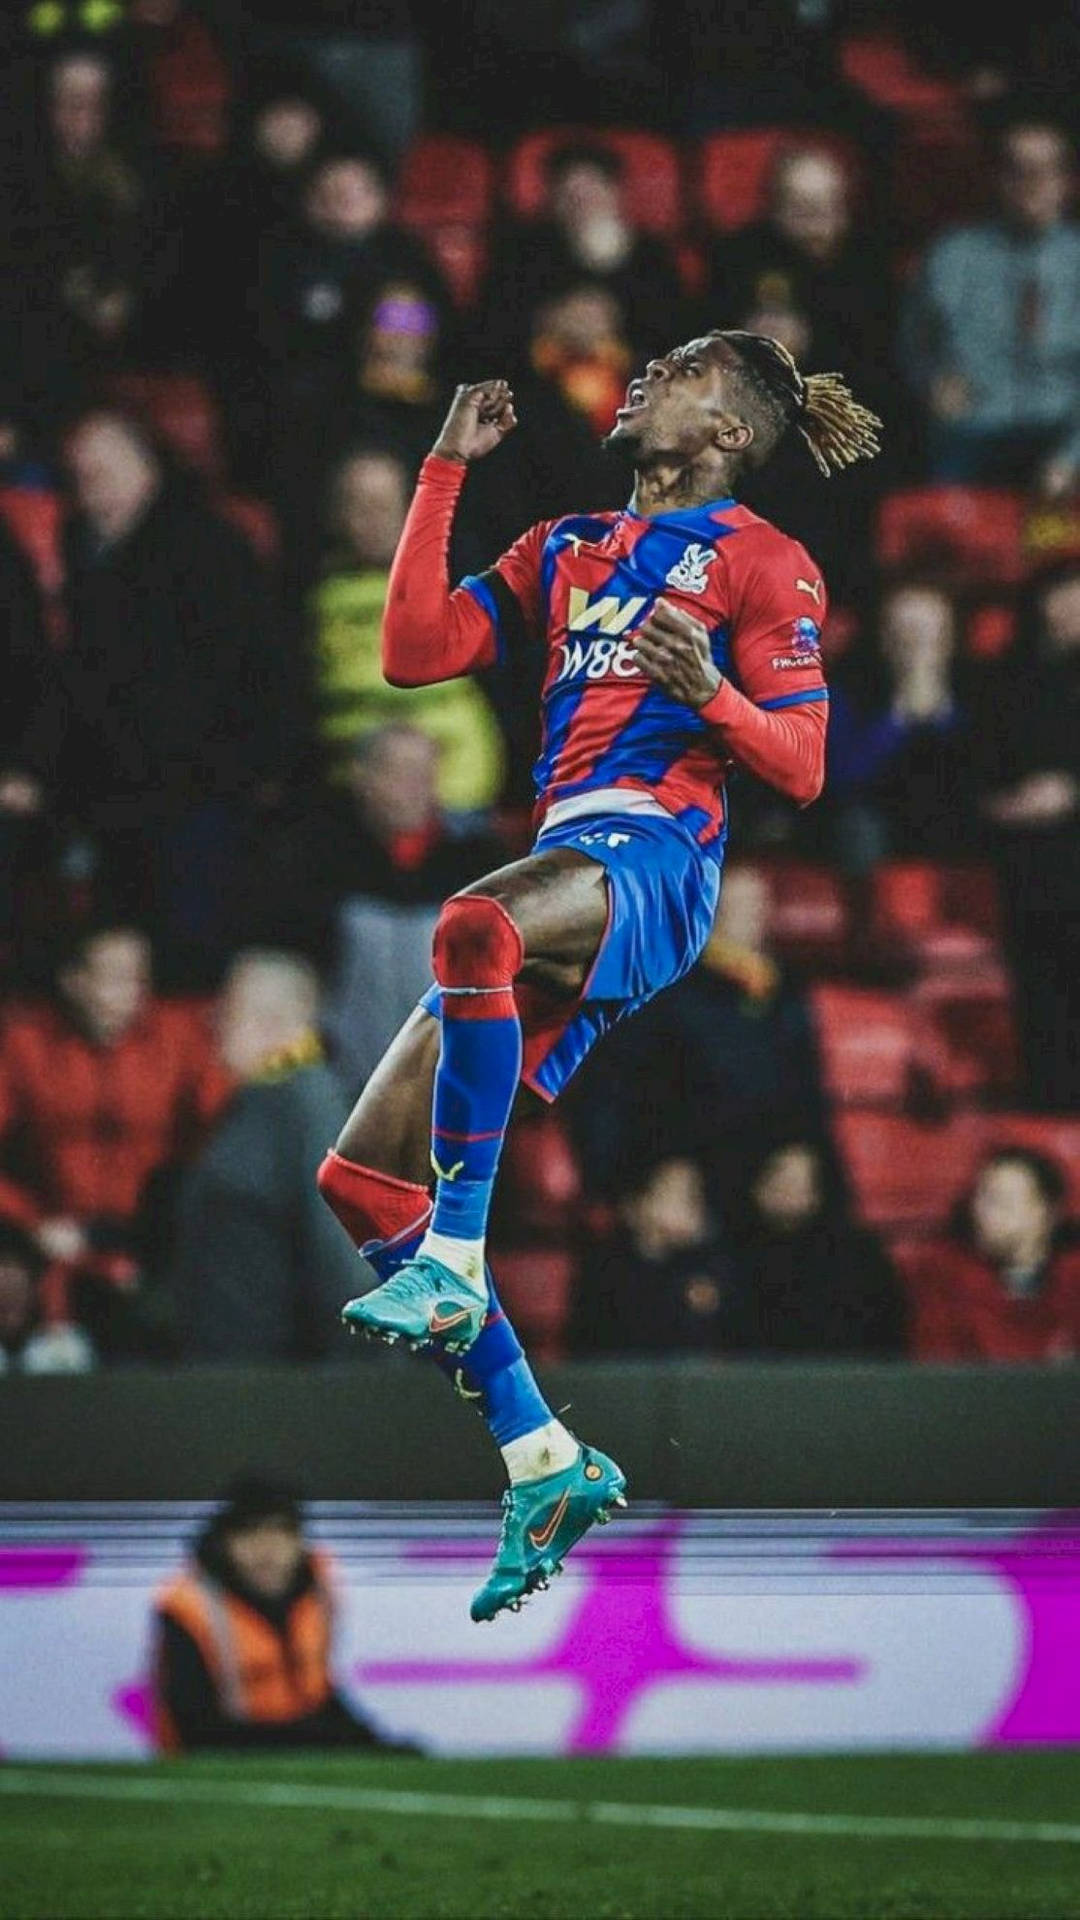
(579, 588)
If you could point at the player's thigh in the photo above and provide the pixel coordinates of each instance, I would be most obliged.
(557, 899)
(389, 1128)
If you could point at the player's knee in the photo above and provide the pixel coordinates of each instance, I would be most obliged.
(476, 943)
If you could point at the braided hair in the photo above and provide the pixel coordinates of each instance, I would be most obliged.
(835, 426)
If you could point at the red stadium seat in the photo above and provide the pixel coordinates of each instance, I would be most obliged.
(535, 1285)
(882, 68)
(991, 630)
(541, 1179)
(34, 516)
(189, 87)
(808, 914)
(180, 410)
(733, 170)
(651, 173)
(445, 180)
(906, 1175)
(977, 1023)
(256, 519)
(975, 533)
(938, 178)
(915, 897)
(872, 1045)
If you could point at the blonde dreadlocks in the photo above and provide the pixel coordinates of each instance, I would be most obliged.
(835, 426)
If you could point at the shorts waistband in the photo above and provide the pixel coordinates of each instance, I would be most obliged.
(603, 800)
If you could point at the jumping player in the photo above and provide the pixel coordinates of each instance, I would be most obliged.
(681, 636)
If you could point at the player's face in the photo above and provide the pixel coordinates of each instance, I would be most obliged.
(679, 405)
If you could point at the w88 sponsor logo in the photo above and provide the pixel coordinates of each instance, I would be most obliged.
(596, 659)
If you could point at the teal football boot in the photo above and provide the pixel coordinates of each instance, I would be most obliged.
(423, 1302)
(542, 1520)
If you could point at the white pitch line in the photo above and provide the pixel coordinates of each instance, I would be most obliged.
(26, 1783)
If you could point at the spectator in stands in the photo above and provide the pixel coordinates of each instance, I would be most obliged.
(809, 1283)
(810, 260)
(898, 748)
(99, 1091)
(585, 232)
(317, 275)
(27, 666)
(990, 336)
(28, 1343)
(177, 704)
(368, 500)
(260, 1270)
(724, 1061)
(243, 1636)
(357, 881)
(1027, 746)
(1005, 1284)
(364, 52)
(87, 239)
(659, 1282)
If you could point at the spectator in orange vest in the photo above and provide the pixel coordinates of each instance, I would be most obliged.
(1006, 1285)
(243, 1637)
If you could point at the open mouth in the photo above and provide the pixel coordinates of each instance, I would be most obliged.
(636, 400)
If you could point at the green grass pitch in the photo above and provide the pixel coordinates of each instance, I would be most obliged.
(992, 1835)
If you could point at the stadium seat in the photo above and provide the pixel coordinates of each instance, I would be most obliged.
(541, 1179)
(188, 87)
(809, 919)
(916, 897)
(906, 1175)
(535, 1285)
(976, 1021)
(872, 1045)
(180, 410)
(990, 630)
(651, 171)
(256, 519)
(733, 170)
(34, 516)
(975, 533)
(881, 67)
(445, 180)
(938, 178)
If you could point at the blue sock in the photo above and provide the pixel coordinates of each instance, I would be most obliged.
(495, 1368)
(475, 1083)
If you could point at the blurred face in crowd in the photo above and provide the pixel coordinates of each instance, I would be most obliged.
(583, 192)
(109, 985)
(1012, 1220)
(670, 1213)
(394, 778)
(581, 322)
(114, 475)
(267, 1557)
(79, 93)
(285, 132)
(16, 1296)
(370, 504)
(346, 200)
(787, 1191)
(1061, 614)
(1034, 178)
(269, 1001)
(918, 630)
(810, 202)
(400, 339)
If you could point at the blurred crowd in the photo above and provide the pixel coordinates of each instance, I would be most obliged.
(250, 251)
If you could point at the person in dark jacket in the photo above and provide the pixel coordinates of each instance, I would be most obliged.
(242, 1638)
(176, 710)
(661, 1281)
(260, 1270)
(810, 1283)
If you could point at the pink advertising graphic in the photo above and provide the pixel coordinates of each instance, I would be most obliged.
(677, 1633)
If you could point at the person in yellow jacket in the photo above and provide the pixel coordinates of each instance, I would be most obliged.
(368, 501)
(243, 1637)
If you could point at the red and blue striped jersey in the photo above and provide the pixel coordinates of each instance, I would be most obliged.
(582, 585)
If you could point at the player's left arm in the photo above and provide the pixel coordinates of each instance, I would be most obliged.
(776, 728)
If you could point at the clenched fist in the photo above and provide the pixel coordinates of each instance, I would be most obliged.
(673, 650)
(480, 417)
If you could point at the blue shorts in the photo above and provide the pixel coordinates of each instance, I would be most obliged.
(662, 894)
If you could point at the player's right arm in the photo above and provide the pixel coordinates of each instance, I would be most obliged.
(430, 631)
